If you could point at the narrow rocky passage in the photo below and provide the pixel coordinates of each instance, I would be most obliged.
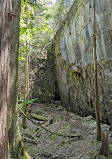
(41, 144)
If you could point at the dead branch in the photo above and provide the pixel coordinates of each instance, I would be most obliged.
(31, 135)
(30, 140)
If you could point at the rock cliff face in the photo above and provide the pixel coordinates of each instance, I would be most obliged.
(43, 77)
(41, 82)
(73, 44)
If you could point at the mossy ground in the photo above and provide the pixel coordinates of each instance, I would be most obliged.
(48, 146)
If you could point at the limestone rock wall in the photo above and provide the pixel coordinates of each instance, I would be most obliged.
(42, 77)
(73, 44)
(41, 83)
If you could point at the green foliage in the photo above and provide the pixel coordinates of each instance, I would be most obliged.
(34, 29)
(68, 127)
(20, 58)
(20, 100)
(60, 10)
(38, 23)
(27, 102)
(97, 142)
(31, 101)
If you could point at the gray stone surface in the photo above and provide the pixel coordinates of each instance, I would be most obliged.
(74, 58)
(41, 76)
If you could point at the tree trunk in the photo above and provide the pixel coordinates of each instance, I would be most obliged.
(5, 21)
(25, 89)
(105, 146)
(13, 92)
(96, 81)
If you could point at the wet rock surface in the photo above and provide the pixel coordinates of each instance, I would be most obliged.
(45, 145)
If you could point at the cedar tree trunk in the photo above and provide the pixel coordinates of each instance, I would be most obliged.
(5, 21)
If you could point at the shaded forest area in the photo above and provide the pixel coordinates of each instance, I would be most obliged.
(55, 79)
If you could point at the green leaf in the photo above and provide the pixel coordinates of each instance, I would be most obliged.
(68, 126)
(31, 101)
(48, 16)
(34, 99)
(21, 58)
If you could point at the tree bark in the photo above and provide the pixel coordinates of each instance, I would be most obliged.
(105, 146)
(96, 80)
(13, 92)
(25, 89)
(5, 21)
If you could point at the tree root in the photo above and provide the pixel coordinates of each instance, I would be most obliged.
(77, 136)
(21, 147)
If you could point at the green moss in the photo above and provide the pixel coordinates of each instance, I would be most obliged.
(37, 116)
(66, 67)
(74, 76)
(21, 149)
(54, 137)
(27, 156)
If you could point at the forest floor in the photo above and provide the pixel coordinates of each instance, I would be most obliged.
(42, 144)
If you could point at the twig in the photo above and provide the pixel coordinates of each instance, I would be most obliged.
(71, 136)
(36, 133)
(30, 135)
(30, 140)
